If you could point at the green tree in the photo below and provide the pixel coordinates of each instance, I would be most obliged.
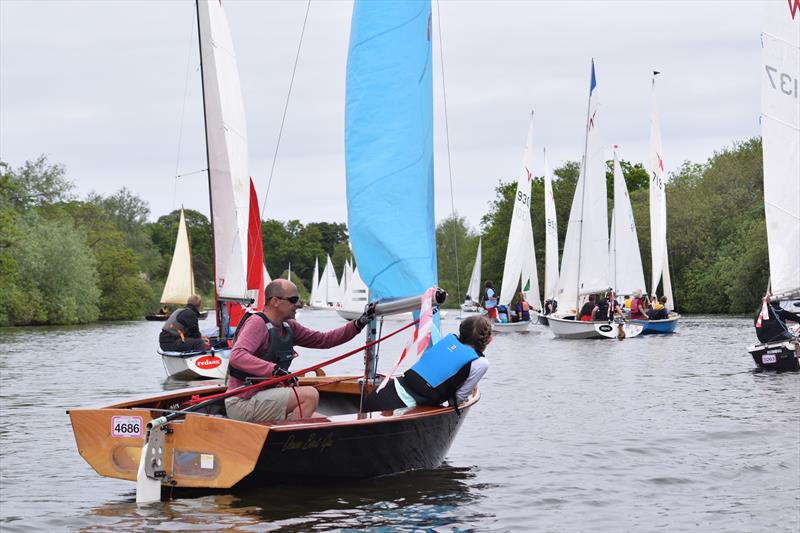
(456, 245)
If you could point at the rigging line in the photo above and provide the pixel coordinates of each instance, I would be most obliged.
(183, 112)
(449, 165)
(285, 109)
(190, 173)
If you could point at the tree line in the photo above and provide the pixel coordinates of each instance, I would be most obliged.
(65, 260)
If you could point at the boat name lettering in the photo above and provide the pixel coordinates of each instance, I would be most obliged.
(606, 328)
(208, 361)
(126, 426)
(313, 441)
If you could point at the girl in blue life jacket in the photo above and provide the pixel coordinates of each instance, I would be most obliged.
(447, 371)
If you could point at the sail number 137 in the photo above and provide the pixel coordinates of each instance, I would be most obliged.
(782, 81)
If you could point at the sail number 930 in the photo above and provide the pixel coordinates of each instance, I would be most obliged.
(781, 81)
(524, 198)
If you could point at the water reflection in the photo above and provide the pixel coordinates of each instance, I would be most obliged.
(411, 501)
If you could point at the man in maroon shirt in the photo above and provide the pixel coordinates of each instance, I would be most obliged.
(266, 348)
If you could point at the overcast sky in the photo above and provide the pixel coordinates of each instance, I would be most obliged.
(111, 89)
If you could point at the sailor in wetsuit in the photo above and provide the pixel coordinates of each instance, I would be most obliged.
(447, 371)
(774, 328)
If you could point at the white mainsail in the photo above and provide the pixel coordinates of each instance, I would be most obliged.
(780, 125)
(356, 297)
(584, 263)
(474, 289)
(180, 280)
(520, 263)
(329, 285)
(658, 206)
(226, 138)
(551, 236)
(627, 275)
(314, 298)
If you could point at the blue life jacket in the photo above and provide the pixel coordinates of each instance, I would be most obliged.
(440, 371)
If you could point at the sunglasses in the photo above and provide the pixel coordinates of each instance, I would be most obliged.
(290, 299)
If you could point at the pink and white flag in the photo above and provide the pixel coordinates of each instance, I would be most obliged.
(422, 334)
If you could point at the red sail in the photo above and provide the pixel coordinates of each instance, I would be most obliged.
(255, 260)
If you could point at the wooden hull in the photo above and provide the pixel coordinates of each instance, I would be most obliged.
(214, 452)
(650, 327)
(777, 356)
(196, 365)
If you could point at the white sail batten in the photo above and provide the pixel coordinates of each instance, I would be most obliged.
(626, 260)
(780, 125)
(658, 206)
(551, 236)
(474, 288)
(227, 151)
(180, 280)
(520, 262)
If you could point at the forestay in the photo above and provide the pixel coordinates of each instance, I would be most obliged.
(519, 269)
(389, 147)
(780, 124)
(227, 150)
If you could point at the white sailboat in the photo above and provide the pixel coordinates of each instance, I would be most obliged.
(471, 302)
(228, 175)
(658, 225)
(780, 125)
(584, 264)
(355, 297)
(550, 243)
(519, 270)
(314, 300)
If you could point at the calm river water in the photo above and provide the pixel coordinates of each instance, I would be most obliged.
(668, 433)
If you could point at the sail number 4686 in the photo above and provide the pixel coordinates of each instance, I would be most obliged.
(126, 426)
(788, 84)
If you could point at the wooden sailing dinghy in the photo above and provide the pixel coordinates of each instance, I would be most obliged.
(389, 72)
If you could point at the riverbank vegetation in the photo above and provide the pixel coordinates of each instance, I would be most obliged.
(66, 260)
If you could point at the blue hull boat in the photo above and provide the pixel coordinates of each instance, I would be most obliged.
(651, 327)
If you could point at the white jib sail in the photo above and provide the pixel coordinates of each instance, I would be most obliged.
(628, 275)
(474, 289)
(520, 263)
(658, 206)
(333, 293)
(780, 125)
(314, 298)
(551, 236)
(226, 134)
(180, 280)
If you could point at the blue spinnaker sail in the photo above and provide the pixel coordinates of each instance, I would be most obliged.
(389, 147)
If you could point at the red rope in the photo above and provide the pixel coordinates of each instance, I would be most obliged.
(299, 373)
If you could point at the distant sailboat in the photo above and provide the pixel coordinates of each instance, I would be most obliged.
(625, 261)
(584, 264)
(551, 243)
(355, 297)
(471, 303)
(658, 225)
(780, 125)
(180, 279)
(519, 270)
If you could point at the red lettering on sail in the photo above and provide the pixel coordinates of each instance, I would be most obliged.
(661, 161)
(794, 7)
(530, 174)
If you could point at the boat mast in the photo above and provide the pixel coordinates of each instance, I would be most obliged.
(583, 190)
(220, 325)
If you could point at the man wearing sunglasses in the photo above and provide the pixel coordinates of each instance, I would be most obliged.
(264, 347)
